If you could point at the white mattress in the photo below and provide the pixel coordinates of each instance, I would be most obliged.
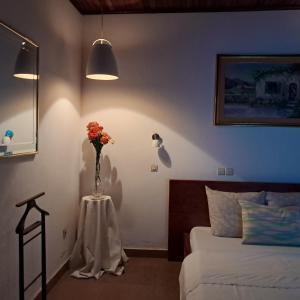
(203, 241)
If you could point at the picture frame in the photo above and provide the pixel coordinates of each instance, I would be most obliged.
(258, 90)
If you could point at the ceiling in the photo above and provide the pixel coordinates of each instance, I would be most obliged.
(168, 6)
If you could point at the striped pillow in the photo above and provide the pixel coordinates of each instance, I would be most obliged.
(265, 225)
(225, 212)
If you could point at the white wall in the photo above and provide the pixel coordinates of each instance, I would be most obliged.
(56, 26)
(167, 85)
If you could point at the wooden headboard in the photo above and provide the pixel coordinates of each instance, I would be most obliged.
(188, 206)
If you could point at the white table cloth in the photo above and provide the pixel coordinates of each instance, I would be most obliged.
(98, 248)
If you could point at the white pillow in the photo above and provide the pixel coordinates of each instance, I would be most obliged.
(225, 212)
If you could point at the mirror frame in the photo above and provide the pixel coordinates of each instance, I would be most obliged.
(34, 152)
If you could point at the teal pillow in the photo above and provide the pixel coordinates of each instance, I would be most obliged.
(265, 225)
(283, 199)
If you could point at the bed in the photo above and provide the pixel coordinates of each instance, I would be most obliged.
(224, 268)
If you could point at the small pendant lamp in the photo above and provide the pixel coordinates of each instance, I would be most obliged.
(26, 64)
(102, 64)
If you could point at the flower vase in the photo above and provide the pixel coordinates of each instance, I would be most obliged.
(98, 189)
(98, 139)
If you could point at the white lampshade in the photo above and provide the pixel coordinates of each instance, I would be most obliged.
(26, 64)
(102, 64)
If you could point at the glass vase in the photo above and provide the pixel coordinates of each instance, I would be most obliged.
(98, 188)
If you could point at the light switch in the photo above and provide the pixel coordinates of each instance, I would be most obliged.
(154, 168)
(221, 171)
(229, 171)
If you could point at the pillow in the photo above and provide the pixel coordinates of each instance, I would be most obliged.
(265, 225)
(225, 211)
(283, 199)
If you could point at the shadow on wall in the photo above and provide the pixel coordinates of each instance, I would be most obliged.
(164, 157)
(112, 185)
(109, 175)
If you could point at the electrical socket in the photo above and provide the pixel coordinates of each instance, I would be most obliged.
(64, 234)
(154, 168)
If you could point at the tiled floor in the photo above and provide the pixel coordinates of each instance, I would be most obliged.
(144, 279)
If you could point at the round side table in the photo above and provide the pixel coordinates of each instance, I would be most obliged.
(98, 248)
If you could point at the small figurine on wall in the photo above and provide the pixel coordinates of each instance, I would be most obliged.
(9, 134)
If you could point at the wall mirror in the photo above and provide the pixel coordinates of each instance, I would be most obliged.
(18, 94)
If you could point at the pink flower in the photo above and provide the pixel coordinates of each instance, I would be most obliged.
(104, 138)
(94, 130)
(96, 136)
(94, 125)
(92, 135)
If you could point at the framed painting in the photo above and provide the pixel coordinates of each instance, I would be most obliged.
(258, 90)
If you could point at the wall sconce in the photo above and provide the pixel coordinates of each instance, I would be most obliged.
(156, 144)
(161, 152)
(156, 140)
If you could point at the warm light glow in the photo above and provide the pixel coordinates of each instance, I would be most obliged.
(101, 77)
(27, 76)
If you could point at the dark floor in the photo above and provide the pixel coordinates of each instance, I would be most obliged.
(144, 279)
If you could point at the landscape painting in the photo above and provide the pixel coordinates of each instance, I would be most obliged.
(258, 90)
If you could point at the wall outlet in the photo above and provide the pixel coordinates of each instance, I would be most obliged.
(154, 168)
(64, 234)
(229, 171)
(221, 171)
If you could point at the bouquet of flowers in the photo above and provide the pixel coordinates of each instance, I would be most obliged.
(98, 138)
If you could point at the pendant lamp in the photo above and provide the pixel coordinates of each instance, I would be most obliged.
(102, 64)
(26, 64)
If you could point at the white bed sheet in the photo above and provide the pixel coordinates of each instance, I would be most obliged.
(202, 240)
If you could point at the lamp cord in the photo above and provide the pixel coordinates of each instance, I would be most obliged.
(101, 20)
(101, 24)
